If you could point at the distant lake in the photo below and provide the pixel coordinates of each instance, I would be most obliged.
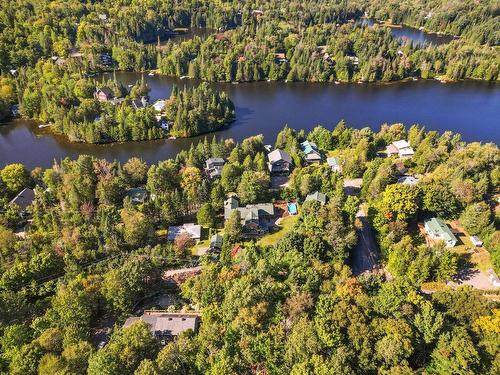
(470, 108)
(407, 33)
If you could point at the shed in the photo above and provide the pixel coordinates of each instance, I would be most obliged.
(476, 241)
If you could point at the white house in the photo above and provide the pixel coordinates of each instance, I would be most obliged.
(401, 148)
(191, 229)
(334, 164)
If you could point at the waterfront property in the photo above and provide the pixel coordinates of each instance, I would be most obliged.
(439, 231)
(318, 197)
(279, 161)
(137, 195)
(140, 103)
(311, 153)
(334, 164)
(166, 326)
(190, 229)
(401, 148)
(213, 167)
(23, 200)
(104, 94)
(256, 219)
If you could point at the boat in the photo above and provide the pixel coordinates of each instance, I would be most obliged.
(41, 126)
(183, 77)
(172, 137)
(151, 74)
(337, 82)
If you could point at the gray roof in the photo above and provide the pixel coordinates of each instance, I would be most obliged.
(167, 324)
(214, 161)
(250, 211)
(332, 161)
(24, 198)
(316, 196)
(278, 155)
(106, 90)
(191, 229)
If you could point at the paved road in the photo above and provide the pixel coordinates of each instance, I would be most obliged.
(365, 254)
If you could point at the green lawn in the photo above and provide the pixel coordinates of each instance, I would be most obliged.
(284, 227)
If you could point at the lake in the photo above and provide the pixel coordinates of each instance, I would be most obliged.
(470, 108)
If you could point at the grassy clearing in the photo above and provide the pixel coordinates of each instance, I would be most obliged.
(284, 227)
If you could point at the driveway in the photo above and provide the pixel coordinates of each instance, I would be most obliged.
(365, 255)
(474, 278)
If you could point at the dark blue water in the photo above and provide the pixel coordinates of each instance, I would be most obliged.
(470, 108)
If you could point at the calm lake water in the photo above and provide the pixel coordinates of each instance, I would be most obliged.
(470, 108)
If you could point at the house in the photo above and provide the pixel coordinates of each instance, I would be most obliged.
(235, 250)
(191, 229)
(476, 241)
(437, 230)
(213, 167)
(105, 59)
(334, 164)
(137, 195)
(165, 326)
(311, 152)
(317, 196)
(104, 94)
(255, 218)
(159, 105)
(407, 180)
(279, 161)
(280, 57)
(140, 103)
(401, 148)
(216, 242)
(24, 199)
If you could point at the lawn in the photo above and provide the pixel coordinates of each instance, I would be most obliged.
(284, 227)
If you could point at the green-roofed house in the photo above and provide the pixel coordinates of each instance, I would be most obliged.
(438, 230)
(311, 153)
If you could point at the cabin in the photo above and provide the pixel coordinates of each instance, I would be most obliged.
(166, 326)
(104, 94)
(279, 161)
(438, 230)
(311, 153)
(401, 148)
(407, 180)
(280, 57)
(159, 105)
(24, 199)
(213, 167)
(137, 195)
(334, 164)
(318, 197)
(140, 103)
(105, 59)
(256, 219)
(191, 229)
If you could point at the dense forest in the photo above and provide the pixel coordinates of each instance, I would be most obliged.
(287, 303)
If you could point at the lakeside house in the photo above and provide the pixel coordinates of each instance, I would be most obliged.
(159, 105)
(104, 94)
(401, 148)
(191, 229)
(318, 197)
(23, 200)
(280, 57)
(165, 326)
(213, 167)
(255, 218)
(279, 161)
(407, 180)
(438, 230)
(334, 164)
(310, 150)
(137, 195)
(140, 103)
